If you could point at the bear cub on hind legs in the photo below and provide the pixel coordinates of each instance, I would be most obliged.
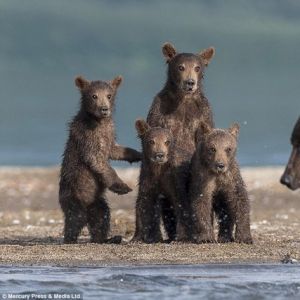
(217, 187)
(85, 171)
(163, 177)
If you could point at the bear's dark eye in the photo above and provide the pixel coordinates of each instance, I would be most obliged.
(167, 143)
(228, 150)
(212, 150)
(151, 142)
(197, 69)
(95, 97)
(181, 68)
(109, 96)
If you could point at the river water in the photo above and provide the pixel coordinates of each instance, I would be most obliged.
(214, 281)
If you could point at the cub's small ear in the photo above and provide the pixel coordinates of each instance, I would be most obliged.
(168, 51)
(81, 82)
(204, 129)
(207, 55)
(234, 129)
(116, 81)
(141, 127)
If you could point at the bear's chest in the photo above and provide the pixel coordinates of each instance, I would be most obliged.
(183, 127)
(103, 139)
(224, 183)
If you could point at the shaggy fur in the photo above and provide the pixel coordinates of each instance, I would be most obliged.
(85, 171)
(162, 186)
(217, 187)
(291, 175)
(181, 105)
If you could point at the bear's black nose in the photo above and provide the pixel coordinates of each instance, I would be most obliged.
(286, 180)
(220, 166)
(190, 82)
(104, 109)
(159, 155)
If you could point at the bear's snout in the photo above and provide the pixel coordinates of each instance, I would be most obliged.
(159, 157)
(104, 111)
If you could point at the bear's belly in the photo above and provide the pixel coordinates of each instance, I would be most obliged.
(85, 187)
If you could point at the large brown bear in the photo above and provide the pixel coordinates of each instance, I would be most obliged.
(164, 177)
(217, 187)
(85, 171)
(291, 175)
(181, 105)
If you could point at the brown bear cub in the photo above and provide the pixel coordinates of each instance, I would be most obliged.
(217, 187)
(85, 171)
(291, 175)
(163, 177)
(181, 105)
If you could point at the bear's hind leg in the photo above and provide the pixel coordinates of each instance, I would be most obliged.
(225, 219)
(226, 224)
(169, 219)
(75, 220)
(148, 212)
(98, 218)
(242, 215)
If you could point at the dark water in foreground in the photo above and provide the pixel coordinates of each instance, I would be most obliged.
(161, 282)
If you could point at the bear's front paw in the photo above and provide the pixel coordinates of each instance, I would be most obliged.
(225, 239)
(246, 239)
(120, 188)
(204, 239)
(136, 157)
(152, 239)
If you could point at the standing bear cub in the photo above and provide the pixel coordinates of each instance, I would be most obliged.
(85, 171)
(217, 187)
(163, 177)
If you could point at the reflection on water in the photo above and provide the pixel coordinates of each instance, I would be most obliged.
(163, 282)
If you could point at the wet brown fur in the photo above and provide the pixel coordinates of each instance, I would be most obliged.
(85, 171)
(291, 175)
(179, 106)
(217, 187)
(163, 178)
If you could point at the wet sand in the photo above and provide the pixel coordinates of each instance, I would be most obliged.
(31, 225)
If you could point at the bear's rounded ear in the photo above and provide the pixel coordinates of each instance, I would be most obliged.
(141, 127)
(207, 55)
(81, 82)
(205, 129)
(116, 81)
(168, 51)
(234, 129)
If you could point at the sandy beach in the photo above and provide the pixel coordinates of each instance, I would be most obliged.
(31, 225)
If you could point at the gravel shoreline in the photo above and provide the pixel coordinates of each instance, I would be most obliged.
(31, 225)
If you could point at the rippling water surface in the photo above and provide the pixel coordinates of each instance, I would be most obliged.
(161, 282)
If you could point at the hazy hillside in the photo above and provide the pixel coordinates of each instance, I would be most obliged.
(254, 78)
